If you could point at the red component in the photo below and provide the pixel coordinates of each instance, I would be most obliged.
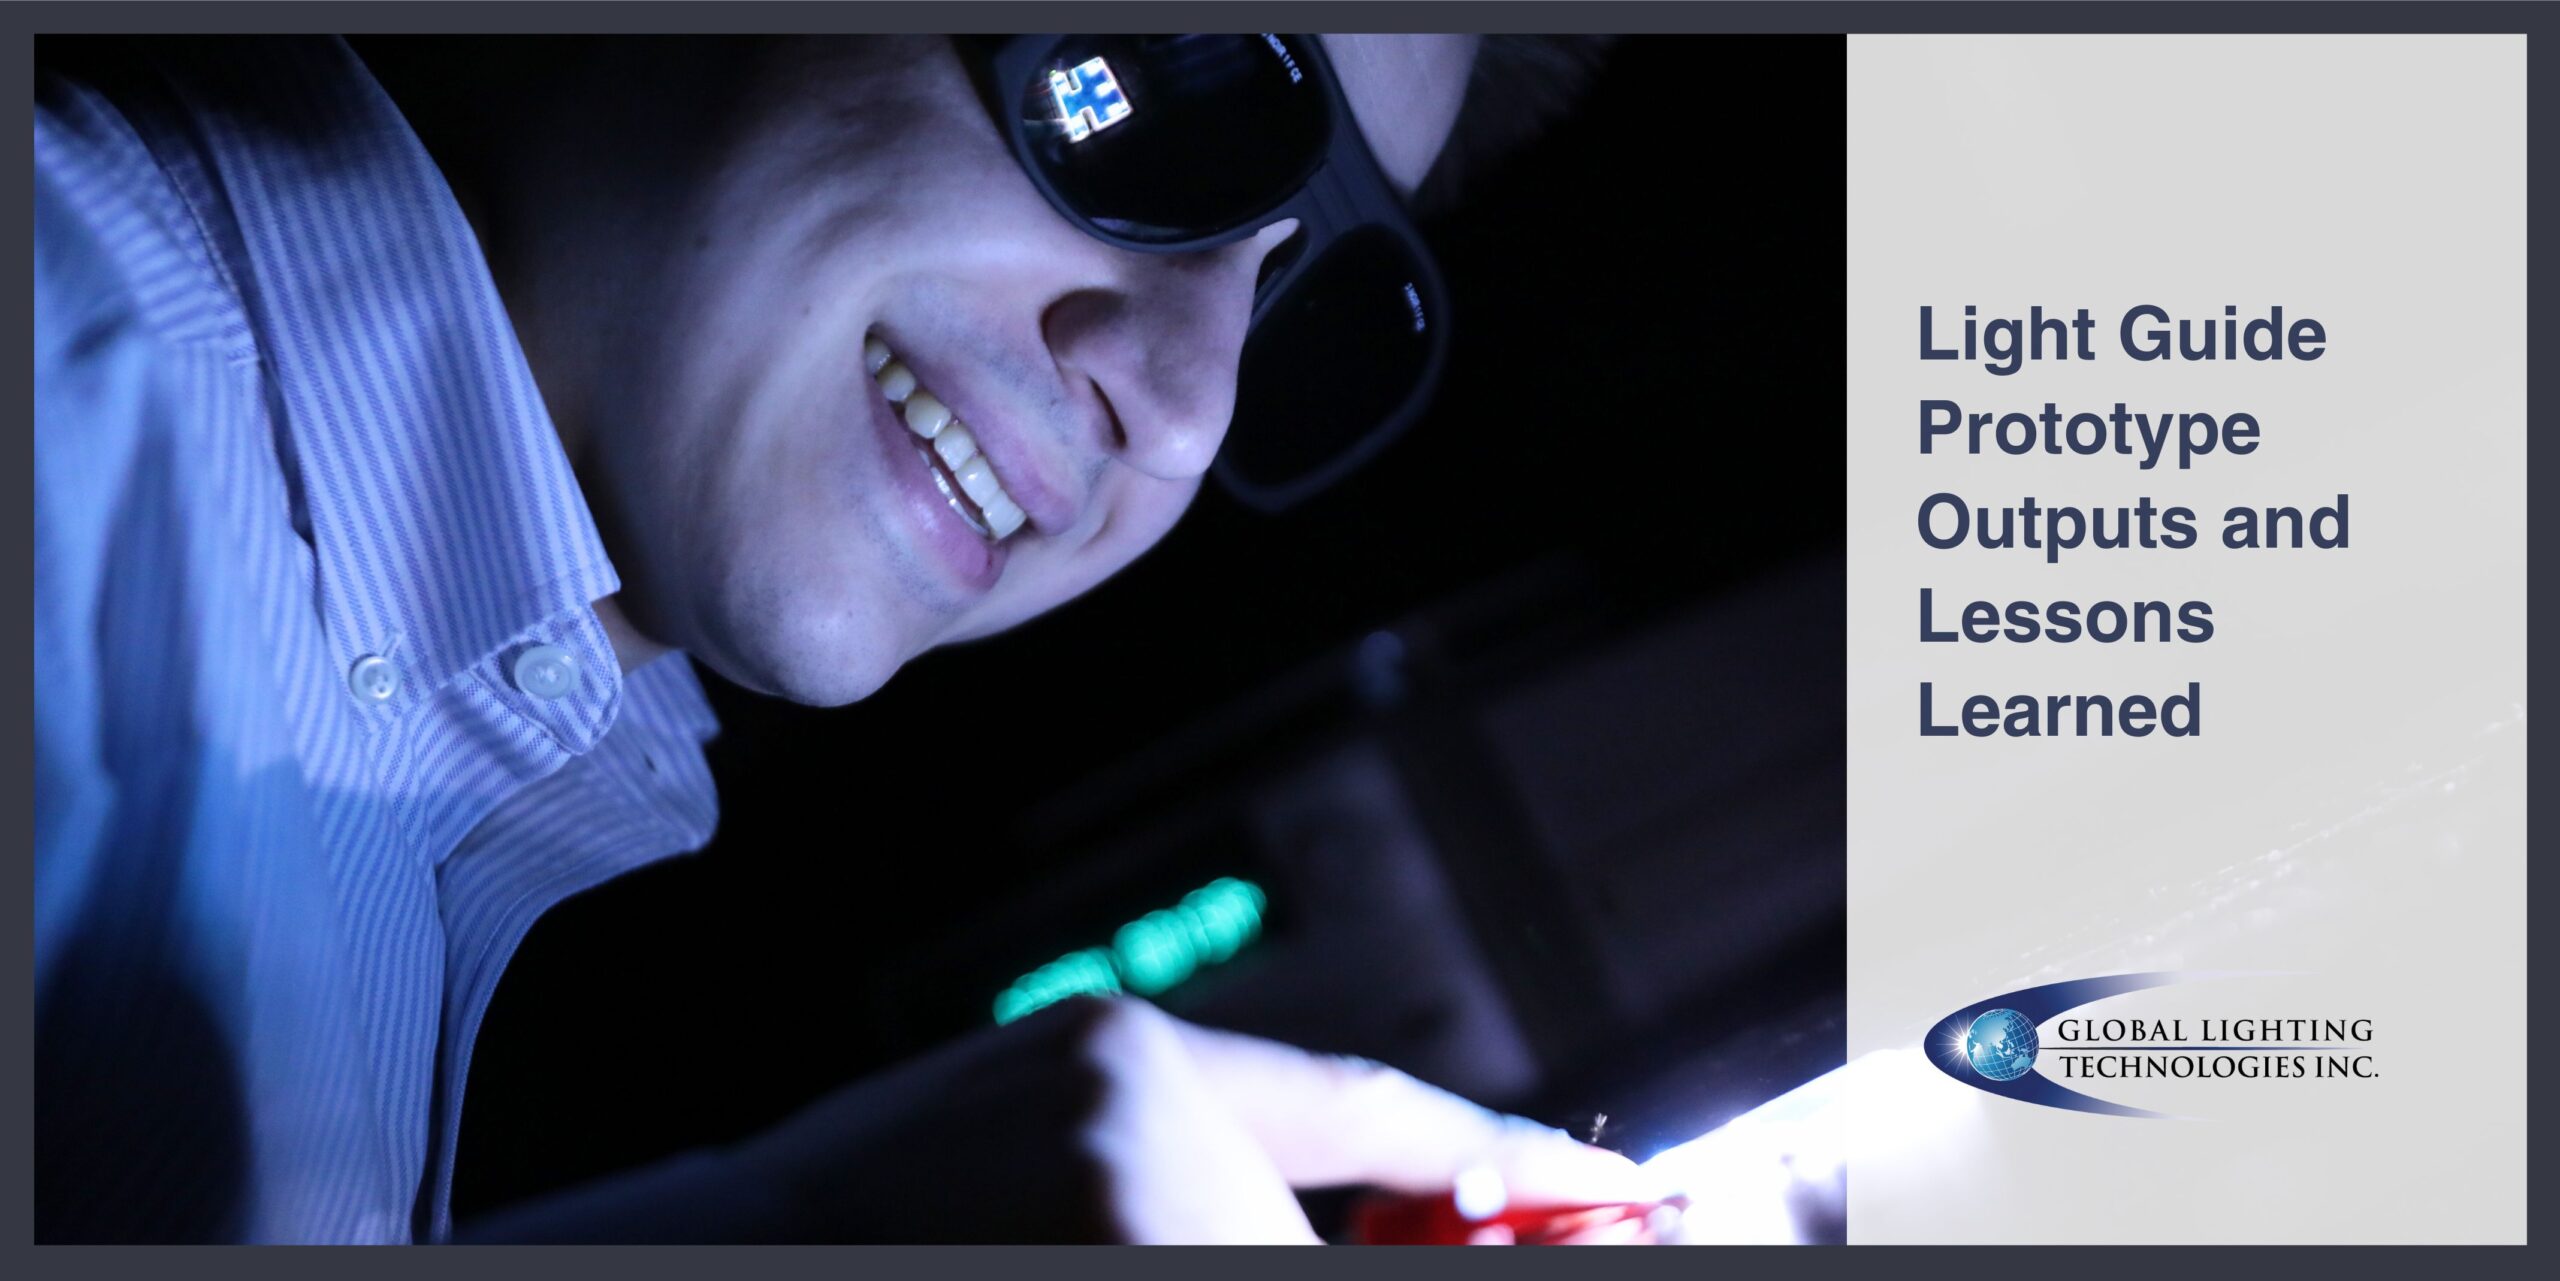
(1435, 1220)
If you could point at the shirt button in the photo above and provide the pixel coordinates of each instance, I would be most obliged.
(373, 679)
(545, 671)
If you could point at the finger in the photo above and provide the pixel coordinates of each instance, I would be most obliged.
(1327, 1121)
(1182, 1167)
(1620, 1232)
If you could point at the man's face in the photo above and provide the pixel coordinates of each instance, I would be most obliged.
(775, 517)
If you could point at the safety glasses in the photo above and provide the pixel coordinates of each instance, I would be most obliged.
(1175, 144)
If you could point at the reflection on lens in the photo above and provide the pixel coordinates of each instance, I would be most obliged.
(1336, 357)
(1164, 138)
(1088, 97)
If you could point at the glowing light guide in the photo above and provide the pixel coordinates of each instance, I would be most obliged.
(1149, 954)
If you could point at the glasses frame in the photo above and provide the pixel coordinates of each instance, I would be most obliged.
(1346, 192)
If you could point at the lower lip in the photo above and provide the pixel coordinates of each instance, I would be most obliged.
(944, 537)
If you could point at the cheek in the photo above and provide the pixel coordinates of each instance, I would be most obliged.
(787, 554)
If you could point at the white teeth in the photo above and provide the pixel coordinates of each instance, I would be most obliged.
(1002, 515)
(955, 445)
(978, 481)
(926, 416)
(896, 382)
(933, 423)
(958, 508)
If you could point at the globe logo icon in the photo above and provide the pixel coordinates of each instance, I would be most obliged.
(2001, 1045)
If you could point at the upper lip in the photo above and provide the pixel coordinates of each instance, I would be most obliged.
(1018, 462)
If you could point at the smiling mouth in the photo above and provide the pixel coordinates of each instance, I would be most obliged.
(967, 480)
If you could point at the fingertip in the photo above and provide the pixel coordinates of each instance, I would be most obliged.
(1554, 1166)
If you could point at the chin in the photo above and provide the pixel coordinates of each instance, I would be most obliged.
(817, 653)
(813, 681)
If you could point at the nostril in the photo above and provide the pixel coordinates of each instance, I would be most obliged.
(1111, 415)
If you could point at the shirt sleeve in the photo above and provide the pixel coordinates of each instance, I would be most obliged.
(142, 869)
(94, 394)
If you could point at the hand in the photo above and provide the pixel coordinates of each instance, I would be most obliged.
(1113, 1121)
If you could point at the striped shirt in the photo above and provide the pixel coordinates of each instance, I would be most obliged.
(324, 715)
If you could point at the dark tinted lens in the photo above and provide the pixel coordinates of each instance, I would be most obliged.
(1340, 353)
(1162, 138)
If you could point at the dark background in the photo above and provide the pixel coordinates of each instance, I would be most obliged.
(1531, 730)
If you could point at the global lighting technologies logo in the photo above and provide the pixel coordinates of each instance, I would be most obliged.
(1999, 1045)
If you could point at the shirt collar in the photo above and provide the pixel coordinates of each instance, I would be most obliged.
(442, 511)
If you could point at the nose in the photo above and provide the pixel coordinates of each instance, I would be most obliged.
(1161, 346)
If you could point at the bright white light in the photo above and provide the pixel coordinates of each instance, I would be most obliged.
(1089, 99)
(1740, 1175)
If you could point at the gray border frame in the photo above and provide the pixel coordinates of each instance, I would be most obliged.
(19, 22)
